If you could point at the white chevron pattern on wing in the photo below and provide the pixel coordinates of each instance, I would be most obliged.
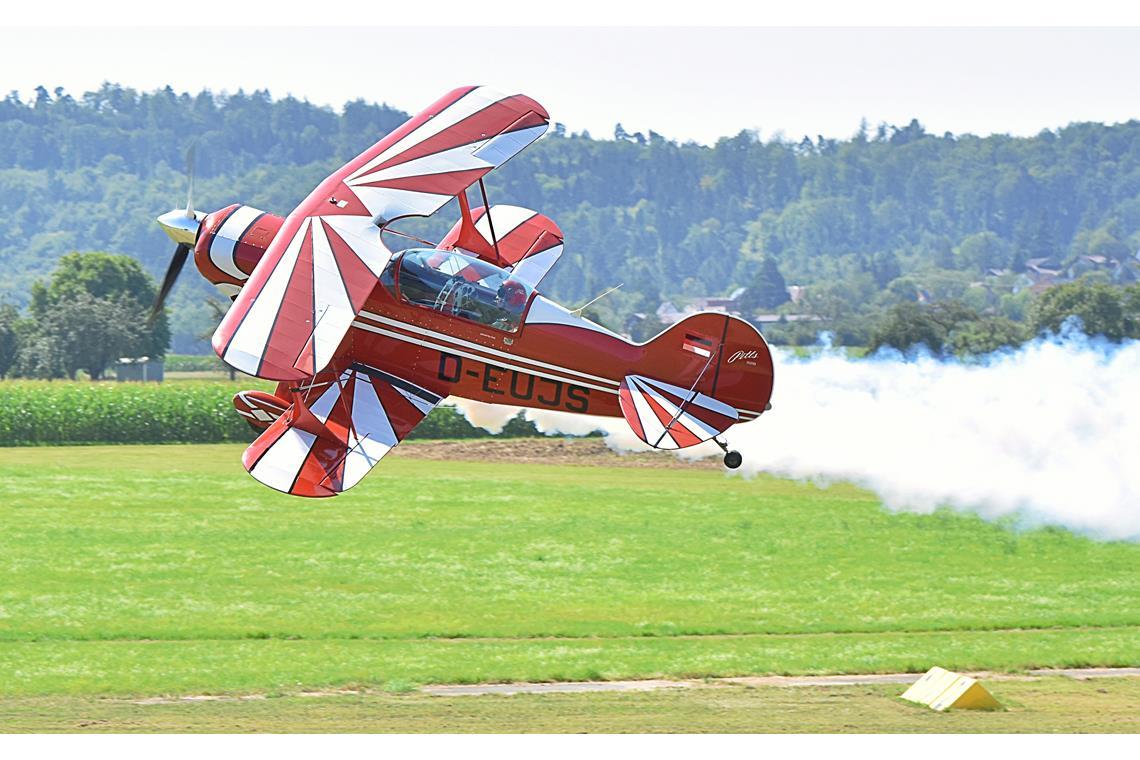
(457, 159)
(363, 237)
(506, 144)
(251, 337)
(368, 415)
(469, 104)
(386, 203)
(330, 296)
(278, 467)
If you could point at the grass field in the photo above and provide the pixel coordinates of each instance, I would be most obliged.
(1049, 705)
(140, 570)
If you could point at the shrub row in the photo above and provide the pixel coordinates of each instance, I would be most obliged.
(191, 363)
(36, 412)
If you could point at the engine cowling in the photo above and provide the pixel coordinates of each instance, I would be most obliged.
(230, 243)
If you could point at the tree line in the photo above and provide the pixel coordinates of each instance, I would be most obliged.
(892, 215)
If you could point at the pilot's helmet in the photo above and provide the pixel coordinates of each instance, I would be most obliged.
(512, 293)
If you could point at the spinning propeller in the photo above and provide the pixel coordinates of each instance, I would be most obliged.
(182, 227)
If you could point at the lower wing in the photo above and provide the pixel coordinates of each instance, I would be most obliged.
(336, 430)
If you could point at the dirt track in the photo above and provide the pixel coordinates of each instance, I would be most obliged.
(583, 451)
(571, 687)
(845, 680)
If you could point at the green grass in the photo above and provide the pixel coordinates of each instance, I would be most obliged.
(1047, 705)
(150, 570)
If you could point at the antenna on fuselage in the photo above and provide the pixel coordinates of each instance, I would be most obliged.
(595, 299)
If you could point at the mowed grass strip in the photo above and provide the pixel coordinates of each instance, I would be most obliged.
(1042, 706)
(120, 564)
(257, 667)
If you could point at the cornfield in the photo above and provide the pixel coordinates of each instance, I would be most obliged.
(42, 413)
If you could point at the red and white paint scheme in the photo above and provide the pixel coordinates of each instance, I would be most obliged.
(364, 339)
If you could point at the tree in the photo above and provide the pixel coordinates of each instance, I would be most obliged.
(1103, 242)
(108, 277)
(9, 337)
(39, 357)
(767, 289)
(906, 325)
(985, 335)
(884, 268)
(982, 251)
(1099, 306)
(89, 333)
(910, 324)
(1130, 301)
(1039, 244)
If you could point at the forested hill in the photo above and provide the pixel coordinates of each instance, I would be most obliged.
(887, 211)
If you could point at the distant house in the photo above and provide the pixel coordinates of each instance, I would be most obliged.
(142, 369)
(1119, 272)
(771, 319)
(1086, 264)
(728, 304)
(1044, 271)
(796, 293)
(667, 313)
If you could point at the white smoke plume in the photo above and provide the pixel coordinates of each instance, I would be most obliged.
(1048, 434)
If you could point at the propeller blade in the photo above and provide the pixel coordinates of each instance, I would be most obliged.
(176, 263)
(190, 153)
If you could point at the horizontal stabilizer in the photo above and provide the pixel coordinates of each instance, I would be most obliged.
(260, 409)
(669, 417)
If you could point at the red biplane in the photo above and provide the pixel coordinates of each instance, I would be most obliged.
(364, 341)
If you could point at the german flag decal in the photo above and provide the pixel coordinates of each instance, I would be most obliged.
(698, 345)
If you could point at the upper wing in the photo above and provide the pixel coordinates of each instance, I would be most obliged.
(326, 443)
(302, 296)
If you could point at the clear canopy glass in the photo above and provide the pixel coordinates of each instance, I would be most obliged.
(459, 285)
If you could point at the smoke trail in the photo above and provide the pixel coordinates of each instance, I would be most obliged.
(1048, 434)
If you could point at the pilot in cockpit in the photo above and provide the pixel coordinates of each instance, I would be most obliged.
(511, 297)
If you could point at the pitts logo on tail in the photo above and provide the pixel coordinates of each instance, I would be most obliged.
(365, 340)
(743, 355)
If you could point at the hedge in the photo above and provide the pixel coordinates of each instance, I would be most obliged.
(35, 412)
(192, 363)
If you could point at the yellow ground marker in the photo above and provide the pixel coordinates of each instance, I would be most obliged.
(942, 689)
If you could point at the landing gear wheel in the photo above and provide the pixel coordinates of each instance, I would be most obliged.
(732, 460)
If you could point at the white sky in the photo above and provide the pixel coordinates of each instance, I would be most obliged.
(686, 83)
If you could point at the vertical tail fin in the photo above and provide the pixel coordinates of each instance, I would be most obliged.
(696, 379)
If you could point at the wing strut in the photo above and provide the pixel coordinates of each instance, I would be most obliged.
(490, 222)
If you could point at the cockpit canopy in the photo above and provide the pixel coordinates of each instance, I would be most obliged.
(459, 285)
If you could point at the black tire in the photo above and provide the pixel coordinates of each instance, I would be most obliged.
(732, 460)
